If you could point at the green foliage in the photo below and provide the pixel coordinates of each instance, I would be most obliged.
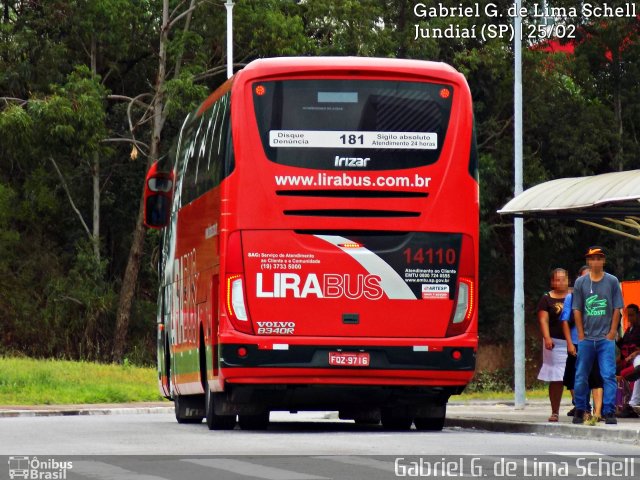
(73, 117)
(183, 95)
(16, 127)
(81, 306)
(65, 57)
(495, 381)
(271, 28)
(8, 238)
(26, 381)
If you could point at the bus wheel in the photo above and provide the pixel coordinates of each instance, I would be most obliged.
(254, 422)
(215, 421)
(431, 424)
(189, 409)
(430, 416)
(395, 420)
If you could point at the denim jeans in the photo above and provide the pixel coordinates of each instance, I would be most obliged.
(604, 352)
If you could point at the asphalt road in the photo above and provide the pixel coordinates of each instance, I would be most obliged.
(304, 446)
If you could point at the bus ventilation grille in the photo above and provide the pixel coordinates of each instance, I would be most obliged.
(351, 194)
(352, 213)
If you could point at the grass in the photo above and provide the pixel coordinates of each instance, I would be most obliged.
(537, 393)
(25, 381)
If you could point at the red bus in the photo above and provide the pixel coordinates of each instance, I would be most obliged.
(319, 225)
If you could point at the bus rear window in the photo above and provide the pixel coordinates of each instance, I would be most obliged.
(343, 124)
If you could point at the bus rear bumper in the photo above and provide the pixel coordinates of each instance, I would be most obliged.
(310, 364)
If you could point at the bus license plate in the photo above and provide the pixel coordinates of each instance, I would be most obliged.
(345, 359)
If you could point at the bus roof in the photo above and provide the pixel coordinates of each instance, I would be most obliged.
(288, 65)
(267, 67)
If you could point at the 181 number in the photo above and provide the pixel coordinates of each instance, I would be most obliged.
(352, 139)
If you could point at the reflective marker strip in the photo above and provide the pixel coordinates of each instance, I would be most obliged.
(393, 284)
(281, 346)
(420, 348)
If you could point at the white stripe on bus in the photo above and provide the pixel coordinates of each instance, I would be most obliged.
(393, 284)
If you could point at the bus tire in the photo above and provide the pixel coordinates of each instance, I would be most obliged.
(398, 421)
(430, 424)
(189, 408)
(259, 421)
(215, 421)
(430, 417)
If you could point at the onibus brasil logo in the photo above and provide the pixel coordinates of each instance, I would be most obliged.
(35, 469)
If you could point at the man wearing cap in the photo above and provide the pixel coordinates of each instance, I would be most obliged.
(597, 300)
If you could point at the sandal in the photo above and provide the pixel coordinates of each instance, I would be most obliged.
(553, 417)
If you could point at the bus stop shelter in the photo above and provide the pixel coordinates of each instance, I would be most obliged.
(609, 201)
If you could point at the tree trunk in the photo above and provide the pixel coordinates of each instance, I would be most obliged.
(137, 246)
(402, 23)
(95, 171)
(127, 290)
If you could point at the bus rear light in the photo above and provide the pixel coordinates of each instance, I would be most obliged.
(465, 306)
(456, 354)
(350, 245)
(237, 298)
(236, 306)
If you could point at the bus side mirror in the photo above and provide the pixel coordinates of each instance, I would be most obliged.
(158, 195)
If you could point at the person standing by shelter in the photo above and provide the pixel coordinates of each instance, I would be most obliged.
(571, 335)
(597, 300)
(554, 353)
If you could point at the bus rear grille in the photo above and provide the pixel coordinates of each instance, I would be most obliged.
(351, 194)
(352, 213)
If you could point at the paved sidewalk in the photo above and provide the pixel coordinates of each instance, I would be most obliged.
(499, 416)
(496, 416)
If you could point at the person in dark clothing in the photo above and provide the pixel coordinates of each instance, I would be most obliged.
(554, 353)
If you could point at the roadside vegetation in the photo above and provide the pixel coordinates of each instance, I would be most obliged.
(498, 385)
(91, 92)
(26, 381)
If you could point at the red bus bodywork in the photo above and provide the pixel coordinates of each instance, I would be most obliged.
(292, 286)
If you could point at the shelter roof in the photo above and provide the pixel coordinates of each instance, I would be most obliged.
(610, 197)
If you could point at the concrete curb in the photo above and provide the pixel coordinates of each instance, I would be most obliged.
(607, 433)
(64, 412)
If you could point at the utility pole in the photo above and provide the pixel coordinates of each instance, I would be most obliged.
(518, 237)
(229, 6)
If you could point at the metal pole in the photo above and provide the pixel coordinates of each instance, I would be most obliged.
(518, 238)
(229, 6)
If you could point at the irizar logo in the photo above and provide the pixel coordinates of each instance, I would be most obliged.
(333, 285)
(351, 161)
